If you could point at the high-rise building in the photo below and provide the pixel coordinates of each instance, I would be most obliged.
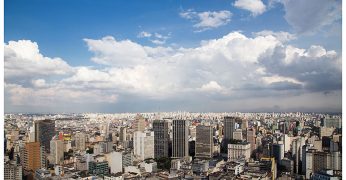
(13, 171)
(204, 141)
(143, 143)
(32, 156)
(180, 144)
(57, 151)
(278, 152)
(238, 134)
(161, 138)
(122, 134)
(229, 128)
(251, 138)
(139, 123)
(44, 132)
(80, 141)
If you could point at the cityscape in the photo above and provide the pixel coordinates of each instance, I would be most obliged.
(173, 145)
(172, 89)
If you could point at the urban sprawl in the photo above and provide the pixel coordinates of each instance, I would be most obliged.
(173, 145)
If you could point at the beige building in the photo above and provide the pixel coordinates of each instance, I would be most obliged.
(239, 150)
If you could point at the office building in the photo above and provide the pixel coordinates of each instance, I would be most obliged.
(13, 171)
(229, 127)
(143, 145)
(122, 134)
(44, 132)
(238, 151)
(251, 138)
(57, 151)
(204, 141)
(180, 139)
(161, 138)
(98, 168)
(32, 156)
(139, 123)
(80, 141)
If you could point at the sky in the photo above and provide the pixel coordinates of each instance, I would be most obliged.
(172, 55)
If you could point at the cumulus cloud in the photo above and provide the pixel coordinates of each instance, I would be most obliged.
(208, 19)
(256, 7)
(317, 68)
(309, 16)
(23, 59)
(223, 68)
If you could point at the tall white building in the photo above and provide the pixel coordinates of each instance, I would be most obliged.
(143, 143)
(114, 160)
(57, 151)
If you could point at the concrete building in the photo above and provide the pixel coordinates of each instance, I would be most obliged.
(44, 132)
(115, 163)
(204, 142)
(238, 134)
(143, 143)
(278, 152)
(57, 151)
(251, 138)
(80, 141)
(161, 138)
(139, 123)
(317, 161)
(122, 134)
(13, 171)
(98, 168)
(32, 156)
(180, 144)
(229, 127)
(127, 158)
(239, 151)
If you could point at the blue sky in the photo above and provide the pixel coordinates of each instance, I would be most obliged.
(116, 39)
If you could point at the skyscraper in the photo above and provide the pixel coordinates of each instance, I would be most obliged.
(80, 141)
(143, 143)
(161, 138)
(122, 134)
(57, 151)
(204, 141)
(139, 123)
(32, 156)
(251, 138)
(44, 132)
(180, 139)
(229, 127)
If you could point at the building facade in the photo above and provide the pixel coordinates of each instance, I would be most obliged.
(180, 144)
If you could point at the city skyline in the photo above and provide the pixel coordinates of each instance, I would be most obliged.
(230, 56)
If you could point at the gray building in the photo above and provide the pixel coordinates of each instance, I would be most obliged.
(161, 138)
(229, 127)
(44, 132)
(180, 145)
(204, 141)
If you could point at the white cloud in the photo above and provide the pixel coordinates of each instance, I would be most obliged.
(256, 7)
(144, 34)
(212, 86)
(309, 16)
(23, 59)
(280, 35)
(208, 19)
(232, 67)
